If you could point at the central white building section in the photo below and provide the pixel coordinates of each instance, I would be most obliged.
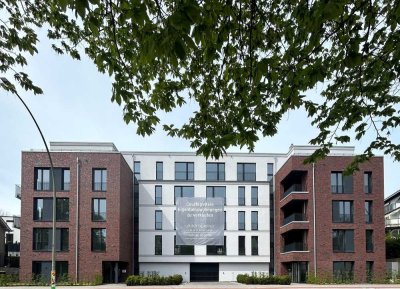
(245, 179)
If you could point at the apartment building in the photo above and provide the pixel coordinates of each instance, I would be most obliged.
(327, 223)
(116, 213)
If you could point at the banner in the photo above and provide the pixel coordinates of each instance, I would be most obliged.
(200, 221)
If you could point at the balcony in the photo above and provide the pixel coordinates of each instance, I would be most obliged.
(18, 192)
(291, 189)
(296, 217)
(392, 223)
(294, 247)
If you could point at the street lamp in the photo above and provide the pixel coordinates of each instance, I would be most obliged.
(53, 251)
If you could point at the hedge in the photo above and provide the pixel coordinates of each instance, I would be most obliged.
(138, 280)
(263, 279)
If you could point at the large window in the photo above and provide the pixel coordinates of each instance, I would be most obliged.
(43, 209)
(369, 237)
(158, 245)
(369, 270)
(242, 245)
(246, 172)
(159, 171)
(99, 209)
(368, 182)
(42, 269)
(241, 196)
(216, 192)
(368, 212)
(254, 220)
(343, 240)
(342, 211)
(217, 250)
(341, 184)
(254, 196)
(343, 270)
(158, 195)
(241, 220)
(99, 240)
(215, 171)
(184, 171)
(43, 180)
(100, 180)
(65, 179)
(183, 192)
(254, 245)
(270, 173)
(158, 220)
(42, 239)
(183, 249)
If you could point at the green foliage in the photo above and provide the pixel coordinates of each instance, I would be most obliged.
(392, 247)
(138, 280)
(8, 279)
(263, 279)
(245, 63)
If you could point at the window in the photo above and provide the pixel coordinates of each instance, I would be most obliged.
(183, 249)
(184, 171)
(241, 220)
(241, 196)
(65, 180)
(343, 270)
(246, 172)
(343, 240)
(224, 220)
(217, 250)
(42, 239)
(341, 184)
(99, 209)
(368, 182)
(254, 220)
(242, 245)
(369, 265)
(158, 197)
(98, 240)
(270, 173)
(174, 220)
(254, 196)
(254, 245)
(159, 171)
(42, 269)
(215, 171)
(100, 180)
(42, 179)
(43, 209)
(216, 192)
(369, 240)
(183, 192)
(342, 211)
(9, 238)
(368, 212)
(158, 220)
(157, 245)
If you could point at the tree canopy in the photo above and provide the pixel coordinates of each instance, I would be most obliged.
(246, 63)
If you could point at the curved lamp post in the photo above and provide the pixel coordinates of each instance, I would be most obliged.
(53, 251)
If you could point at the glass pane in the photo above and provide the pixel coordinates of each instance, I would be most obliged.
(241, 197)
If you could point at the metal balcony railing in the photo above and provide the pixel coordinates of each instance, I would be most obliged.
(293, 218)
(293, 188)
(296, 246)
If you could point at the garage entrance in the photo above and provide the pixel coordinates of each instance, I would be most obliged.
(204, 272)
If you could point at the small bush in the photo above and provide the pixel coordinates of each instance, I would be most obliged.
(154, 279)
(263, 279)
(8, 279)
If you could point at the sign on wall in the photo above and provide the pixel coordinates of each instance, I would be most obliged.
(200, 221)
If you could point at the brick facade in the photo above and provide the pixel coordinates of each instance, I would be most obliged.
(324, 225)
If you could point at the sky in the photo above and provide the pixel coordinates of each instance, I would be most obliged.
(76, 106)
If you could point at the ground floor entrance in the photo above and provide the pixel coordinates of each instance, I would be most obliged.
(114, 272)
(298, 271)
(204, 272)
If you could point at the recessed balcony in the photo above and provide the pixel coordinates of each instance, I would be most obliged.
(296, 217)
(294, 247)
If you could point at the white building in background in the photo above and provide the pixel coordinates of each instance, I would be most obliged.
(246, 183)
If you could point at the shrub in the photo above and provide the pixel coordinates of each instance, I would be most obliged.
(263, 279)
(136, 280)
(8, 279)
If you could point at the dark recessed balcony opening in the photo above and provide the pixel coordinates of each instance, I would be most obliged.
(294, 182)
(294, 240)
(294, 211)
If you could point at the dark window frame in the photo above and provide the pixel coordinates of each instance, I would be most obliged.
(254, 245)
(244, 175)
(367, 181)
(102, 242)
(213, 188)
(181, 192)
(342, 218)
(158, 224)
(189, 175)
(159, 172)
(103, 184)
(343, 241)
(220, 172)
(158, 245)
(369, 241)
(242, 228)
(61, 243)
(158, 199)
(254, 223)
(100, 217)
(187, 250)
(368, 210)
(254, 200)
(242, 200)
(59, 211)
(242, 249)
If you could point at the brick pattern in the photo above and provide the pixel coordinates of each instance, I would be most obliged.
(119, 211)
(324, 226)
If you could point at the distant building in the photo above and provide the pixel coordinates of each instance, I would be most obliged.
(12, 242)
(4, 229)
(392, 214)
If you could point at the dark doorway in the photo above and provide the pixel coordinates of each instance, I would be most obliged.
(204, 272)
(299, 272)
(114, 272)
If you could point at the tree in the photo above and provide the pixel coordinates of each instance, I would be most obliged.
(246, 63)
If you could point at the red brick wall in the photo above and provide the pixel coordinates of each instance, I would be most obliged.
(90, 263)
(324, 225)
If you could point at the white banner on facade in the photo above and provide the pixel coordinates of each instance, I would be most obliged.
(200, 221)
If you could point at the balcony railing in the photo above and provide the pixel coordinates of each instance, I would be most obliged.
(392, 223)
(297, 246)
(293, 188)
(293, 218)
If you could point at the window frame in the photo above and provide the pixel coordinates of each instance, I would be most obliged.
(213, 189)
(242, 241)
(99, 201)
(244, 196)
(254, 249)
(189, 175)
(158, 199)
(103, 184)
(242, 228)
(220, 172)
(243, 176)
(341, 245)
(254, 225)
(368, 211)
(102, 241)
(158, 249)
(159, 173)
(341, 218)
(158, 225)
(254, 200)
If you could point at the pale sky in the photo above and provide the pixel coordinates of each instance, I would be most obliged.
(76, 106)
